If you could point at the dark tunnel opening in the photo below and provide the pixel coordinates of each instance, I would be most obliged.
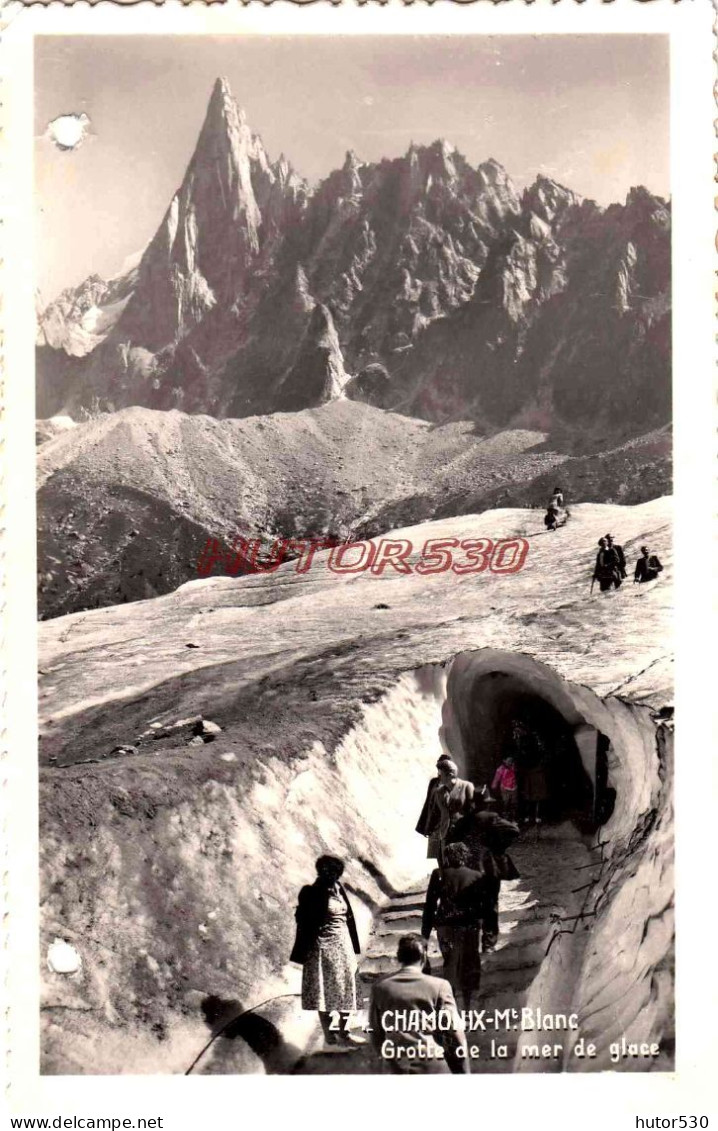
(605, 795)
(561, 764)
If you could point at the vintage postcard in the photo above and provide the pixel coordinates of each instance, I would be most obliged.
(352, 343)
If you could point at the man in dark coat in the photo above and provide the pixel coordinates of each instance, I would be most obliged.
(556, 513)
(647, 567)
(414, 1022)
(428, 818)
(607, 571)
(620, 556)
(487, 837)
(455, 903)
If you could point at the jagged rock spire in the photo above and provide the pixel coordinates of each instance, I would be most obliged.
(318, 374)
(222, 161)
(204, 250)
(546, 198)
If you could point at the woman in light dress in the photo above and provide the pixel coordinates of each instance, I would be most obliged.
(326, 946)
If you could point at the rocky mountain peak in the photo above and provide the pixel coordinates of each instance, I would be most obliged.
(222, 108)
(221, 89)
(547, 198)
(497, 199)
(640, 203)
(442, 163)
(493, 173)
(351, 179)
(639, 194)
(442, 148)
(440, 172)
(427, 264)
(318, 374)
(226, 151)
(284, 172)
(212, 233)
(79, 317)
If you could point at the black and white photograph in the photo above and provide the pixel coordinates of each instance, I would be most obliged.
(354, 554)
(356, 564)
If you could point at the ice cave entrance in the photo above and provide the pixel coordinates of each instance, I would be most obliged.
(502, 703)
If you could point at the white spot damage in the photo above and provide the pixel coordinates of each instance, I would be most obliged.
(68, 131)
(63, 958)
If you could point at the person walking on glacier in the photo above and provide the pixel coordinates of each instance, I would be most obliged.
(607, 570)
(647, 567)
(620, 556)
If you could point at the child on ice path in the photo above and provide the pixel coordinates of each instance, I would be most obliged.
(505, 782)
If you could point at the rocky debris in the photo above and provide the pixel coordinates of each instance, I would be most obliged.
(627, 475)
(207, 730)
(195, 730)
(158, 730)
(122, 750)
(474, 301)
(47, 429)
(372, 386)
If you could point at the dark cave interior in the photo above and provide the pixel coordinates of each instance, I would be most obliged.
(561, 766)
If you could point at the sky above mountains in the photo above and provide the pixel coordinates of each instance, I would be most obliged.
(589, 111)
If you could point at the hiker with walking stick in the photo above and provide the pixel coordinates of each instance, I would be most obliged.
(607, 570)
